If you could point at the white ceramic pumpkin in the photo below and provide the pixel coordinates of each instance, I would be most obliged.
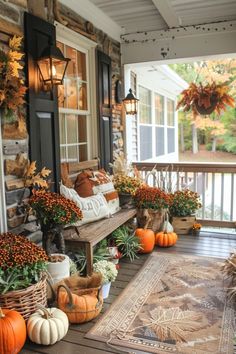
(47, 325)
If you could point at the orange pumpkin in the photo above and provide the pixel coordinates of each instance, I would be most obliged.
(166, 239)
(146, 238)
(12, 331)
(79, 307)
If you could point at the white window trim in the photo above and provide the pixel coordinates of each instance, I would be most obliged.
(3, 209)
(85, 45)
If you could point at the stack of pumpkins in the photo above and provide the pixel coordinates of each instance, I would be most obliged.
(148, 239)
(49, 325)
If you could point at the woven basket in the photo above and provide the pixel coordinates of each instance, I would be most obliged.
(24, 301)
(150, 219)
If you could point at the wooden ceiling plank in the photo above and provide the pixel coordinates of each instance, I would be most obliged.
(167, 13)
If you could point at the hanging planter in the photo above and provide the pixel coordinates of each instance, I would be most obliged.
(207, 99)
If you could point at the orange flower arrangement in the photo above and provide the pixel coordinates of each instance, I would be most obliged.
(197, 226)
(206, 99)
(151, 198)
(21, 262)
(54, 209)
(184, 203)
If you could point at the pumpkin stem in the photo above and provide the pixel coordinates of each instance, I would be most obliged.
(46, 313)
(1, 313)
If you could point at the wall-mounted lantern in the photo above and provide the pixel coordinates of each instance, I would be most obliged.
(131, 103)
(52, 65)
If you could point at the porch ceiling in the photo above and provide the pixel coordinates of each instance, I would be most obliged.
(147, 15)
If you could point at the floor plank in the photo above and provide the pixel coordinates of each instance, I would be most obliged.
(75, 343)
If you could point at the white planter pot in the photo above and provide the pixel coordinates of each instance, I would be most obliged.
(106, 290)
(59, 270)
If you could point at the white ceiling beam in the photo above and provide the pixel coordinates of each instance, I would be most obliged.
(182, 43)
(97, 17)
(167, 12)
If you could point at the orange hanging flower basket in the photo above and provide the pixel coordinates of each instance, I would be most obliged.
(207, 99)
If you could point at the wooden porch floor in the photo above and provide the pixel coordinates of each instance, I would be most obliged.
(213, 245)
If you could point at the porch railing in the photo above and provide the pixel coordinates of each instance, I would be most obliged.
(216, 184)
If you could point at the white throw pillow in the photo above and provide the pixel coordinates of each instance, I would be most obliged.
(93, 208)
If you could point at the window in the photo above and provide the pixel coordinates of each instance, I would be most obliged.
(77, 102)
(156, 125)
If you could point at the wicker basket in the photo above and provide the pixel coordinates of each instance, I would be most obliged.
(150, 219)
(24, 301)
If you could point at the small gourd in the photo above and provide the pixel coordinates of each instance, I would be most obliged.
(167, 225)
(47, 325)
(12, 331)
(166, 239)
(146, 238)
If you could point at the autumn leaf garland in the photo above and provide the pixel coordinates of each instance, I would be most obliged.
(12, 89)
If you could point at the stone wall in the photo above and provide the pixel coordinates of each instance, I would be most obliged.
(14, 133)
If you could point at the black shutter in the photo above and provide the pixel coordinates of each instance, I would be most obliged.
(43, 124)
(105, 110)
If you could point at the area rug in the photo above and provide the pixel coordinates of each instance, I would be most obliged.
(175, 304)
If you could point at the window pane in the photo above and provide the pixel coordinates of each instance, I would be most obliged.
(83, 152)
(71, 93)
(82, 89)
(160, 141)
(62, 129)
(72, 129)
(61, 95)
(63, 153)
(171, 140)
(82, 129)
(159, 109)
(144, 105)
(145, 142)
(72, 153)
(170, 112)
(81, 66)
(72, 66)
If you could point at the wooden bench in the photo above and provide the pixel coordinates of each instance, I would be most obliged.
(89, 235)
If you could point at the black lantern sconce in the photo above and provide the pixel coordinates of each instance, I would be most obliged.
(52, 65)
(131, 103)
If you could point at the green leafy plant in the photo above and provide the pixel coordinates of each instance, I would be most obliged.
(21, 262)
(100, 253)
(126, 241)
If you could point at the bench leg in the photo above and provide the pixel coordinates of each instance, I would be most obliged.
(89, 257)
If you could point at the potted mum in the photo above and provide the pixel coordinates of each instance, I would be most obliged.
(151, 204)
(206, 99)
(183, 206)
(126, 187)
(109, 274)
(22, 280)
(53, 212)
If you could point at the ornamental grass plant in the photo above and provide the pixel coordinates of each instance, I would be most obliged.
(21, 262)
(184, 203)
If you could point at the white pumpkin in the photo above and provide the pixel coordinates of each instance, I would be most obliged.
(167, 225)
(47, 326)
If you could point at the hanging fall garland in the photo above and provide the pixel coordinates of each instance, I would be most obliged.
(12, 89)
(206, 99)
